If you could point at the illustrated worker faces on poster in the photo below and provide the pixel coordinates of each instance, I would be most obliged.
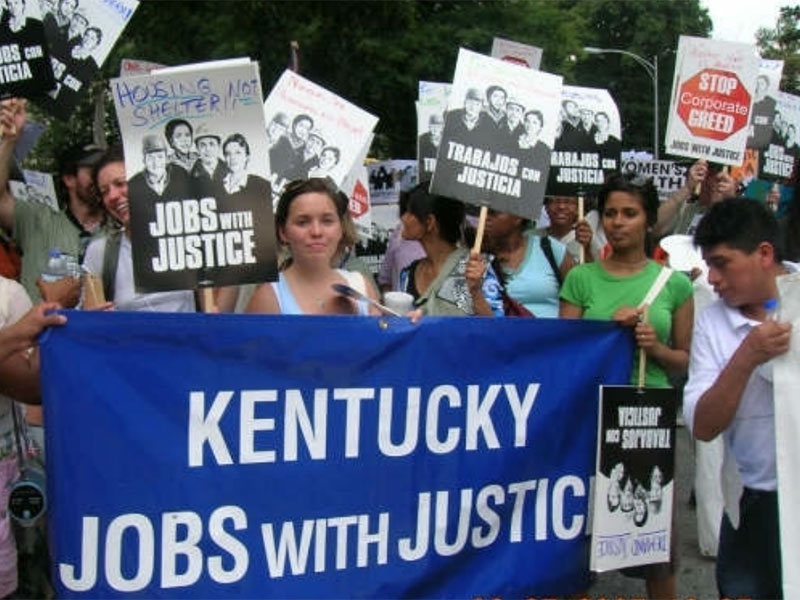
(588, 141)
(312, 132)
(498, 134)
(24, 57)
(431, 107)
(200, 199)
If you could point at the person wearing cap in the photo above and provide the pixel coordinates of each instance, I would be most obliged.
(160, 180)
(35, 227)
(180, 136)
(469, 125)
(209, 169)
(428, 145)
(288, 152)
(309, 156)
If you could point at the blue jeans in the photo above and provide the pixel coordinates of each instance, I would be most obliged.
(749, 558)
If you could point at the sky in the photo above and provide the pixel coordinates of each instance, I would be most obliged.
(738, 20)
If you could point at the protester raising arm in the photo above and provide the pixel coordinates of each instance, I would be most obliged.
(12, 120)
(669, 209)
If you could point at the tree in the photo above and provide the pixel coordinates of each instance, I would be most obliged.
(783, 43)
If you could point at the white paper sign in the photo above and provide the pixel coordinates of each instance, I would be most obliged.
(712, 97)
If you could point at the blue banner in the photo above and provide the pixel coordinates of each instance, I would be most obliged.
(210, 456)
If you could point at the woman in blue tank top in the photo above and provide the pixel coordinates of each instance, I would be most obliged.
(309, 222)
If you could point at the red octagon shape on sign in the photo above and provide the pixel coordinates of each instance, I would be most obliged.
(714, 104)
(359, 201)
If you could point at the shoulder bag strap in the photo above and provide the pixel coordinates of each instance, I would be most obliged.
(110, 260)
(547, 248)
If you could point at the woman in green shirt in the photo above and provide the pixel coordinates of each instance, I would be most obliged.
(614, 287)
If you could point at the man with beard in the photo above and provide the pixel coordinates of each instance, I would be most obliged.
(496, 106)
(513, 126)
(571, 136)
(37, 228)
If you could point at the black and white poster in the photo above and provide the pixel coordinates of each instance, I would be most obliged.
(498, 134)
(431, 106)
(80, 36)
(38, 187)
(778, 159)
(588, 141)
(635, 479)
(25, 69)
(762, 114)
(195, 142)
(387, 178)
(312, 132)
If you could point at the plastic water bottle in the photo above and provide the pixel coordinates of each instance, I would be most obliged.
(56, 267)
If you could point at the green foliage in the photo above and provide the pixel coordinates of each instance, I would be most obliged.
(783, 43)
(374, 53)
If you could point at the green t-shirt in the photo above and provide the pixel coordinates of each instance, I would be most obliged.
(600, 294)
(37, 229)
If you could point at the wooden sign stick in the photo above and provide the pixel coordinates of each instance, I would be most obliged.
(581, 252)
(642, 353)
(476, 246)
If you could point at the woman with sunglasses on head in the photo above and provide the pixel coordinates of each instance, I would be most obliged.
(310, 223)
(613, 288)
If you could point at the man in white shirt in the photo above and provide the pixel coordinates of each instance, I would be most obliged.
(730, 386)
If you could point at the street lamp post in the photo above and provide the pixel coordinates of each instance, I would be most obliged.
(652, 71)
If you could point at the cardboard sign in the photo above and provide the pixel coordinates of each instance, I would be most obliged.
(635, 482)
(80, 37)
(712, 96)
(431, 106)
(312, 132)
(25, 69)
(587, 147)
(200, 200)
(517, 53)
(764, 98)
(498, 135)
(668, 175)
(778, 158)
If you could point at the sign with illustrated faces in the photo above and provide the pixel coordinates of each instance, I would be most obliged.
(498, 134)
(198, 185)
(712, 98)
(587, 147)
(762, 116)
(635, 479)
(431, 106)
(80, 35)
(312, 132)
(24, 57)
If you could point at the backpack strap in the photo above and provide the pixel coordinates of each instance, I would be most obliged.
(110, 260)
(547, 248)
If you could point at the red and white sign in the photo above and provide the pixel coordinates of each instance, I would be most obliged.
(712, 96)
(714, 104)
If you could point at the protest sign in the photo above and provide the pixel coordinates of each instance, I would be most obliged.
(587, 147)
(356, 186)
(25, 69)
(197, 220)
(130, 66)
(498, 134)
(787, 424)
(312, 132)
(388, 178)
(634, 484)
(211, 456)
(668, 175)
(431, 106)
(778, 158)
(763, 112)
(37, 187)
(712, 96)
(516, 52)
(80, 39)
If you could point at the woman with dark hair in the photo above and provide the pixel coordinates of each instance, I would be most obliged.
(449, 280)
(180, 137)
(614, 289)
(237, 182)
(310, 223)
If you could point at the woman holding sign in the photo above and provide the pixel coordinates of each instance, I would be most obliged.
(310, 222)
(449, 280)
(613, 289)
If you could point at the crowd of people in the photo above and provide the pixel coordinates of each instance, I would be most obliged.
(600, 267)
